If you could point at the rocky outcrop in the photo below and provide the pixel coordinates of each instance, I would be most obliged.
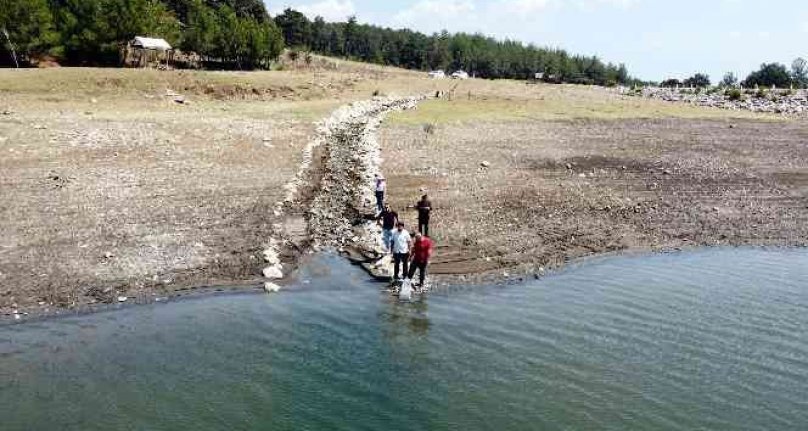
(786, 102)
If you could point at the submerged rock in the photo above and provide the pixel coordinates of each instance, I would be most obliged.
(271, 287)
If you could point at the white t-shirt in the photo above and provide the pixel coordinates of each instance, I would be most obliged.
(401, 241)
(381, 184)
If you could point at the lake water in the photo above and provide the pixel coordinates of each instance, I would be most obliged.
(713, 340)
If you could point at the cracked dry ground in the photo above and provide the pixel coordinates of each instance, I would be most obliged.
(560, 190)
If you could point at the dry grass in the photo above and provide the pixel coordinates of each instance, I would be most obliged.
(479, 100)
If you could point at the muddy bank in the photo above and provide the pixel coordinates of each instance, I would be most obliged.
(554, 191)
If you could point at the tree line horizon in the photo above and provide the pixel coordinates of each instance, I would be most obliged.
(241, 34)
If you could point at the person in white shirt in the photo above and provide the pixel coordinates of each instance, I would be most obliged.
(381, 187)
(401, 244)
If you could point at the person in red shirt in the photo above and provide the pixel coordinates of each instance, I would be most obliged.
(421, 253)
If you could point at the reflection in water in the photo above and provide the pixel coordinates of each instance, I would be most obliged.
(704, 340)
(406, 316)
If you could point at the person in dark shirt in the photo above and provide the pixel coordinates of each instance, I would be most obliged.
(424, 207)
(388, 219)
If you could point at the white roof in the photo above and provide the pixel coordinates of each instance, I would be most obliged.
(151, 43)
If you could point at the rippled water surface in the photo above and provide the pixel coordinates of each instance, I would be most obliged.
(714, 339)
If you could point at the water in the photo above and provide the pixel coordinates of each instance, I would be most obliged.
(714, 339)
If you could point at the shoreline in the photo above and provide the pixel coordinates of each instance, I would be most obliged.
(517, 200)
(438, 287)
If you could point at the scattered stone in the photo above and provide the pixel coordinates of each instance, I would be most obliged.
(785, 102)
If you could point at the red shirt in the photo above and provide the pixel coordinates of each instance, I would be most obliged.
(422, 250)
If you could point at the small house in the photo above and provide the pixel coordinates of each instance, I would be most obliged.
(148, 51)
(437, 74)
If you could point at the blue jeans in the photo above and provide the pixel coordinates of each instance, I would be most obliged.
(379, 201)
(387, 237)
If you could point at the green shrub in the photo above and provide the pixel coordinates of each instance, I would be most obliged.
(733, 94)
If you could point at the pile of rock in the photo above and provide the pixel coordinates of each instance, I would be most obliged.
(351, 158)
(786, 102)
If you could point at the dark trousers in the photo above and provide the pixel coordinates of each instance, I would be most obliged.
(379, 201)
(398, 259)
(423, 226)
(421, 267)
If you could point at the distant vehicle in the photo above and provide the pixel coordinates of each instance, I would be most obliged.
(437, 74)
(460, 75)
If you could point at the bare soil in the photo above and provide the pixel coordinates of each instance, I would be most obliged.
(142, 184)
(561, 190)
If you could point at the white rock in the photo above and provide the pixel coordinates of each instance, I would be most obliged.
(271, 287)
(271, 257)
(122, 299)
(273, 272)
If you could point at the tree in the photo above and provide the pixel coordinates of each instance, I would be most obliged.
(26, 29)
(729, 80)
(699, 80)
(671, 83)
(799, 72)
(773, 74)
(296, 28)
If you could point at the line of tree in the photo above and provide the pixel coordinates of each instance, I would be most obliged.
(699, 80)
(768, 75)
(476, 54)
(777, 75)
(230, 33)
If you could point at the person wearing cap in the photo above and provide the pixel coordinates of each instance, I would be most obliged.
(421, 253)
(401, 245)
(381, 187)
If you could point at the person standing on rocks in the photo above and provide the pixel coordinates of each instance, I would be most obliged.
(402, 243)
(381, 187)
(424, 207)
(421, 253)
(388, 219)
